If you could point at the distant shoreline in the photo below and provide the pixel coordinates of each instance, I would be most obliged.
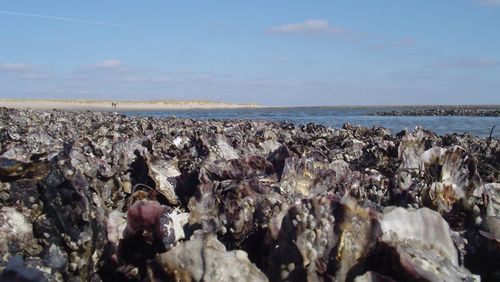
(152, 105)
(423, 106)
(106, 105)
(443, 111)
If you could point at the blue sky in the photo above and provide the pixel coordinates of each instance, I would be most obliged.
(290, 53)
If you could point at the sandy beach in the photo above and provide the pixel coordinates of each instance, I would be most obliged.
(104, 105)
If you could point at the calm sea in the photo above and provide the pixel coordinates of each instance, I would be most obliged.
(337, 116)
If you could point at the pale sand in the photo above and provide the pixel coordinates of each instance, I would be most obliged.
(105, 105)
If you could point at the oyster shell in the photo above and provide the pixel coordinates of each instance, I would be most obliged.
(422, 250)
(204, 258)
(323, 238)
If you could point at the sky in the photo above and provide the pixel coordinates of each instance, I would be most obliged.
(278, 53)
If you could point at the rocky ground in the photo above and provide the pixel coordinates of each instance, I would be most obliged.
(490, 111)
(99, 196)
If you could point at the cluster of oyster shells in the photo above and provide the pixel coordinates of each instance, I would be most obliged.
(92, 196)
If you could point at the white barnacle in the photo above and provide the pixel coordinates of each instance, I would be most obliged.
(312, 224)
(284, 274)
(310, 218)
(309, 246)
(311, 235)
(331, 218)
(321, 210)
(312, 254)
(323, 242)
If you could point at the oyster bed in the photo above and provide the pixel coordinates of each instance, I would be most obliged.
(99, 196)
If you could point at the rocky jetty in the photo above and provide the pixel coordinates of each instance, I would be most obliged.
(490, 111)
(104, 197)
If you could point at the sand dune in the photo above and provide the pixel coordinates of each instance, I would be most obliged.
(121, 105)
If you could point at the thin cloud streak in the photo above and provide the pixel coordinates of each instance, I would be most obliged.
(467, 63)
(108, 64)
(56, 18)
(400, 43)
(490, 2)
(309, 26)
(10, 71)
(15, 67)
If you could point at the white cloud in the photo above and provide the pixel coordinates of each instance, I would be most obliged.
(467, 63)
(145, 79)
(15, 67)
(323, 27)
(309, 26)
(24, 71)
(108, 64)
(114, 72)
(490, 2)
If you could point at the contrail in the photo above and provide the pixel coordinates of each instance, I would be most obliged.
(62, 19)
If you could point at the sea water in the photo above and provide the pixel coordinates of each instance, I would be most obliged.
(337, 116)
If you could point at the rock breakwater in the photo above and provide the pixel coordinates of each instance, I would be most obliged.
(491, 111)
(105, 197)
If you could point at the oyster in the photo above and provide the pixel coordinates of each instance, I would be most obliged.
(74, 221)
(422, 250)
(458, 180)
(323, 238)
(204, 258)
